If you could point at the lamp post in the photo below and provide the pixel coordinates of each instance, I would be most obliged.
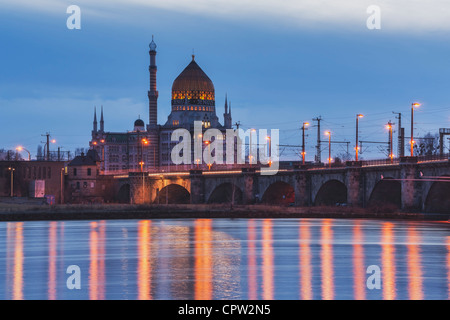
(62, 185)
(413, 105)
(208, 143)
(102, 141)
(391, 153)
(12, 180)
(47, 147)
(358, 116)
(144, 142)
(305, 124)
(250, 153)
(270, 150)
(328, 133)
(20, 148)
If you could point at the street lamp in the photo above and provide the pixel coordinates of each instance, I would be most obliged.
(208, 143)
(413, 105)
(144, 142)
(12, 180)
(20, 148)
(47, 151)
(391, 149)
(328, 133)
(305, 124)
(270, 150)
(357, 132)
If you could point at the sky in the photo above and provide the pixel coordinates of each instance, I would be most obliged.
(281, 63)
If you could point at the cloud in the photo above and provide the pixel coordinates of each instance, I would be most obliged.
(398, 16)
(69, 120)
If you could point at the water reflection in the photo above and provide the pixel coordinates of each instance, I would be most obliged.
(327, 260)
(388, 261)
(359, 274)
(144, 271)
(203, 262)
(251, 257)
(52, 259)
(448, 266)
(305, 257)
(225, 259)
(15, 260)
(267, 267)
(97, 261)
(414, 266)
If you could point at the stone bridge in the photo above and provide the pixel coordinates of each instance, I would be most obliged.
(409, 184)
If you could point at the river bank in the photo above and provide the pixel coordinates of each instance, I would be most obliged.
(122, 211)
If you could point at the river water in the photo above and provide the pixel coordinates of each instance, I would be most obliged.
(225, 259)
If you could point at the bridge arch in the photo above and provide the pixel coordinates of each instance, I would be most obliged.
(279, 192)
(331, 193)
(438, 199)
(223, 193)
(124, 194)
(386, 192)
(173, 194)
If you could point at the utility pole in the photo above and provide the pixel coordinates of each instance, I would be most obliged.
(47, 144)
(318, 152)
(401, 136)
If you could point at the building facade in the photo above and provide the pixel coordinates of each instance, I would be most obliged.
(148, 148)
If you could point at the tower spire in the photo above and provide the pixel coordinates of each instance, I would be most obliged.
(95, 119)
(226, 103)
(102, 122)
(227, 114)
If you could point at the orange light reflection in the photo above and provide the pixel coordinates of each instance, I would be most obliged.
(359, 275)
(144, 265)
(252, 266)
(305, 262)
(327, 261)
(267, 260)
(18, 262)
(203, 259)
(97, 261)
(388, 262)
(414, 266)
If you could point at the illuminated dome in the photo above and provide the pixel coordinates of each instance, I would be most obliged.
(193, 87)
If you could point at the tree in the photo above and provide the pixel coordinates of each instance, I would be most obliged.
(427, 145)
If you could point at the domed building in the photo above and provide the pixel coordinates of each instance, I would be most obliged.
(193, 98)
(149, 148)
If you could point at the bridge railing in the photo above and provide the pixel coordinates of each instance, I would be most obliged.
(282, 167)
(434, 157)
(380, 162)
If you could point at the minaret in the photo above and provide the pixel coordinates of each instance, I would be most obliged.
(95, 121)
(102, 122)
(153, 93)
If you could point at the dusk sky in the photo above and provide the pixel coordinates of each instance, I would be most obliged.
(280, 62)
